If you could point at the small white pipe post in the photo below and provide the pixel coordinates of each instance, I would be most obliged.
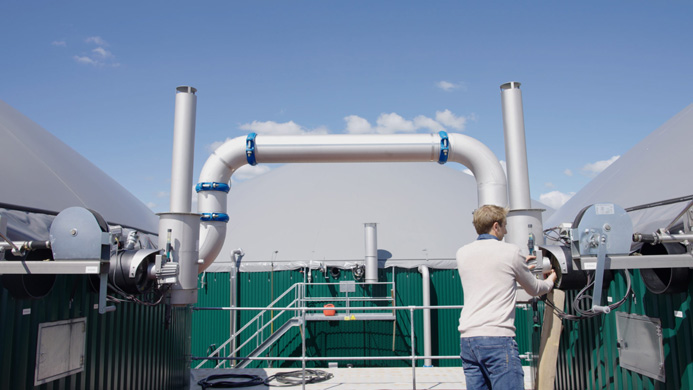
(426, 288)
(183, 149)
(371, 259)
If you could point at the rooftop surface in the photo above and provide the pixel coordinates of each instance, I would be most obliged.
(439, 378)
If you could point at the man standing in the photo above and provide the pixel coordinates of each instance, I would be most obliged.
(489, 270)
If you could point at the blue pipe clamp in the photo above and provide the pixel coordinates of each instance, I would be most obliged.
(444, 147)
(218, 217)
(212, 186)
(250, 149)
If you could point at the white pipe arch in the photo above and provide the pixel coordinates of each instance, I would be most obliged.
(442, 147)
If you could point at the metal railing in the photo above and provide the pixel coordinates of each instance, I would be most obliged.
(303, 314)
(255, 329)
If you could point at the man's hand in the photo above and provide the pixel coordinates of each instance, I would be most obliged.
(528, 259)
(552, 277)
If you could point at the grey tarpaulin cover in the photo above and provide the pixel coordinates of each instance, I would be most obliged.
(654, 170)
(42, 174)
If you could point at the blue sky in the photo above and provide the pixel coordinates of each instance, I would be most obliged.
(597, 77)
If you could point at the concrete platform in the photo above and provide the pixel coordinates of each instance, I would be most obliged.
(439, 378)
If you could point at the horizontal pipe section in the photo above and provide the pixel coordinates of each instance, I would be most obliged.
(348, 148)
(491, 182)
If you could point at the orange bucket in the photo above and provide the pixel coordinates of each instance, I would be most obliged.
(329, 313)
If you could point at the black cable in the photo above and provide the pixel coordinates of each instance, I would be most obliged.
(294, 378)
(251, 380)
(582, 297)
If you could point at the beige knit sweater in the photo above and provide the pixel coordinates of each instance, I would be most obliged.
(488, 272)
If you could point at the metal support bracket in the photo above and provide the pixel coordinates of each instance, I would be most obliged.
(64, 267)
(599, 277)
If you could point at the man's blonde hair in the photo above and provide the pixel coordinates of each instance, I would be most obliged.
(486, 215)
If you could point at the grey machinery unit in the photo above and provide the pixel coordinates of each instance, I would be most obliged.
(602, 239)
(82, 243)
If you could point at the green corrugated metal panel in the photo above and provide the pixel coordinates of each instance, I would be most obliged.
(209, 327)
(588, 357)
(125, 349)
(354, 338)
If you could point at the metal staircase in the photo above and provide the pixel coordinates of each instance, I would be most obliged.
(291, 309)
(270, 340)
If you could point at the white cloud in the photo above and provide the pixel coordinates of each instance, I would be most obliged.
(59, 43)
(447, 86)
(249, 171)
(97, 56)
(97, 40)
(394, 123)
(357, 125)
(555, 199)
(424, 122)
(151, 205)
(549, 185)
(447, 118)
(162, 194)
(101, 52)
(85, 60)
(568, 172)
(286, 128)
(596, 168)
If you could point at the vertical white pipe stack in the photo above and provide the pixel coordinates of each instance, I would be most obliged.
(515, 146)
(179, 229)
(371, 252)
(521, 214)
(183, 149)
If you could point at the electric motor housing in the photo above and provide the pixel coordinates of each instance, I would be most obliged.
(130, 270)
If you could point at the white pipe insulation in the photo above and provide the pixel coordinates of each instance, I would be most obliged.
(441, 147)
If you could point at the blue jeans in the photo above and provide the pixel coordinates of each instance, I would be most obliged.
(491, 363)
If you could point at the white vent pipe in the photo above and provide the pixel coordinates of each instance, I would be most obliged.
(179, 230)
(491, 182)
(426, 288)
(515, 146)
(521, 214)
(183, 149)
(371, 233)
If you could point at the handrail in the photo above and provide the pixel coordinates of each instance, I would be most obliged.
(413, 356)
(248, 324)
(297, 304)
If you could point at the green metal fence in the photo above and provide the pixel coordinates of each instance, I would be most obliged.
(372, 338)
